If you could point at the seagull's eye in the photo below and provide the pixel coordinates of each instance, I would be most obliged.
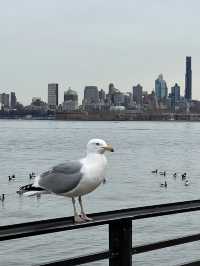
(97, 143)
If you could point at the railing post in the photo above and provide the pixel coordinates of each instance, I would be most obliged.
(120, 243)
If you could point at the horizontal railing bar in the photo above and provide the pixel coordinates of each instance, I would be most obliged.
(165, 243)
(135, 250)
(79, 260)
(61, 224)
(69, 262)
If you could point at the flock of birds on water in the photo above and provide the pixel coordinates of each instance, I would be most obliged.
(175, 175)
(162, 184)
(13, 177)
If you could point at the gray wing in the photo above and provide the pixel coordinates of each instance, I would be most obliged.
(61, 178)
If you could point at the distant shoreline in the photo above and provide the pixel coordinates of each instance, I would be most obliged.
(107, 116)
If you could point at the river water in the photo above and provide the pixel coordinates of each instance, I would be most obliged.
(140, 147)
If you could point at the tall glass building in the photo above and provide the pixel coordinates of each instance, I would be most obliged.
(188, 79)
(161, 90)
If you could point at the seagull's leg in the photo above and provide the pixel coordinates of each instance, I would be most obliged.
(83, 215)
(77, 218)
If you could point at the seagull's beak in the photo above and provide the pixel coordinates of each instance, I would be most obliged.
(109, 147)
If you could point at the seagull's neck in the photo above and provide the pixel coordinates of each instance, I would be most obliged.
(94, 165)
(93, 157)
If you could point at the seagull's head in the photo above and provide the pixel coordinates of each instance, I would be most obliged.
(98, 146)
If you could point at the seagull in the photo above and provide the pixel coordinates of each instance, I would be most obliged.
(74, 178)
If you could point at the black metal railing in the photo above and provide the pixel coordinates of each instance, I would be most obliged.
(120, 232)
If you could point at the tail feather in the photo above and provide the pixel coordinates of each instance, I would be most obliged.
(30, 187)
(31, 190)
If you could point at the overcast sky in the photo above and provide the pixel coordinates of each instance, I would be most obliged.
(95, 42)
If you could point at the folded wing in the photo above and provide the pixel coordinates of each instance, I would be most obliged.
(61, 178)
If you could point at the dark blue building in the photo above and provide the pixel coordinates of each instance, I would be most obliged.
(188, 79)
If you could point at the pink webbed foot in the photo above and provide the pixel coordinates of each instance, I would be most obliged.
(85, 217)
(78, 219)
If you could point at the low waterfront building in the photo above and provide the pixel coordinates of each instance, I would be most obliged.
(149, 101)
(118, 98)
(195, 107)
(37, 105)
(117, 108)
(69, 106)
(128, 101)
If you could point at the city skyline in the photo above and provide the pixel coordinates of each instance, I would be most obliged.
(62, 90)
(161, 89)
(96, 100)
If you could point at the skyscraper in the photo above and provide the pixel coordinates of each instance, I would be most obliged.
(113, 95)
(91, 95)
(175, 92)
(161, 90)
(137, 94)
(102, 96)
(53, 95)
(4, 99)
(13, 100)
(188, 79)
(175, 96)
(91, 98)
(70, 100)
(70, 95)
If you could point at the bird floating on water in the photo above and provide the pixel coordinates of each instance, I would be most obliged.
(2, 197)
(163, 173)
(11, 177)
(187, 182)
(74, 178)
(183, 176)
(155, 171)
(163, 184)
(32, 175)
